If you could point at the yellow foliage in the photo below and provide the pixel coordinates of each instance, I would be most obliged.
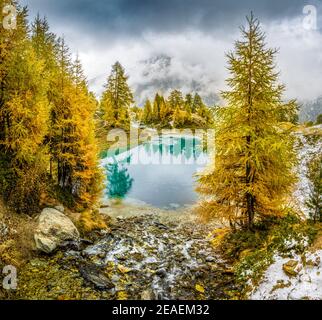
(122, 295)
(200, 288)
(251, 174)
(245, 253)
(123, 269)
(91, 221)
(218, 236)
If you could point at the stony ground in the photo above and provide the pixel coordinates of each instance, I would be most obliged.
(145, 257)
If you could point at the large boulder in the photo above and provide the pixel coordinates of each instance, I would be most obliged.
(54, 230)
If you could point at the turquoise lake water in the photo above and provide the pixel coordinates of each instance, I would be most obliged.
(160, 172)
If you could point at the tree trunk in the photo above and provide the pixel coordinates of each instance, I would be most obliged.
(250, 203)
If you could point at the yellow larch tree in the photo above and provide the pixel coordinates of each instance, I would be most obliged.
(251, 172)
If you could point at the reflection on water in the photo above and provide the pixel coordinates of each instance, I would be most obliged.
(119, 181)
(159, 172)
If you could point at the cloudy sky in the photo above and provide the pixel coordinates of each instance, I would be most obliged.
(164, 44)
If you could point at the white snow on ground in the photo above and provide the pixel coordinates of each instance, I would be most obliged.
(307, 284)
(306, 152)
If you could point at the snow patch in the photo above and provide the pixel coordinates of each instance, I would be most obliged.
(306, 152)
(307, 284)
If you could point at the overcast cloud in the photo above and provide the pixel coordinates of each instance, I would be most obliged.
(182, 43)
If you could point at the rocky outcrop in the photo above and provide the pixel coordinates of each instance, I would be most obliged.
(54, 230)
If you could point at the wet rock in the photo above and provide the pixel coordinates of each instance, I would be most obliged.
(146, 258)
(161, 273)
(210, 259)
(86, 241)
(115, 278)
(161, 226)
(54, 230)
(73, 253)
(96, 277)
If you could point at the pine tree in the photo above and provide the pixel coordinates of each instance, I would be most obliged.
(165, 113)
(179, 118)
(251, 174)
(188, 103)
(202, 115)
(72, 138)
(46, 48)
(44, 42)
(197, 103)
(147, 117)
(10, 40)
(117, 99)
(46, 119)
(119, 182)
(24, 117)
(176, 100)
(156, 109)
(289, 112)
(86, 175)
(62, 125)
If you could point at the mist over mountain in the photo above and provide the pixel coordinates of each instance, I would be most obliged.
(162, 73)
(310, 109)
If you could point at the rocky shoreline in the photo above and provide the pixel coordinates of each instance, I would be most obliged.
(142, 257)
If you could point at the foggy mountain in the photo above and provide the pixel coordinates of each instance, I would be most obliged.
(162, 74)
(310, 109)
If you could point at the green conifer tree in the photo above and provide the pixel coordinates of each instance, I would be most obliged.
(147, 117)
(117, 99)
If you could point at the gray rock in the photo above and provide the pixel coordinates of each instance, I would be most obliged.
(95, 276)
(161, 273)
(210, 259)
(4, 230)
(54, 230)
(60, 208)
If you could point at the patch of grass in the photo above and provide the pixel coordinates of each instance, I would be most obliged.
(16, 243)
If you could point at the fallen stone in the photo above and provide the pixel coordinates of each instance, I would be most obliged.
(54, 230)
(94, 276)
(290, 268)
